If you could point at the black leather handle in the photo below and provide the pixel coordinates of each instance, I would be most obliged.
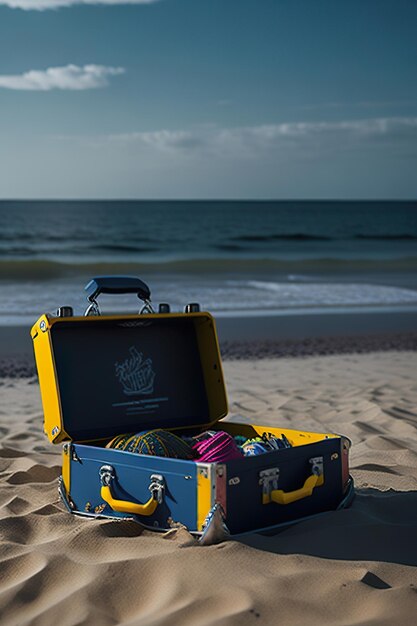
(116, 285)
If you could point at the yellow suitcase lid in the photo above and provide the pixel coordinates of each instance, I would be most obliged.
(101, 376)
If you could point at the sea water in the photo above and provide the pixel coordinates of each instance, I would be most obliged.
(241, 257)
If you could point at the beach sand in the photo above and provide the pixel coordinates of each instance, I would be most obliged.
(355, 566)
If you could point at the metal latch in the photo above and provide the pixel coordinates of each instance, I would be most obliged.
(269, 480)
(107, 474)
(157, 487)
(317, 465)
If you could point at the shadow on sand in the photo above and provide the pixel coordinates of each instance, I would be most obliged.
(379, 526)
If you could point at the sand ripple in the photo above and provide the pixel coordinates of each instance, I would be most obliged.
(357, 566)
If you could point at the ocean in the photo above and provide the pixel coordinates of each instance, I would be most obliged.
(245, 257)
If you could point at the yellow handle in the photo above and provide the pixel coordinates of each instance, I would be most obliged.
(282, 497)
(124, 506)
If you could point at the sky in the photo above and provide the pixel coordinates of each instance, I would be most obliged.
(270, 99)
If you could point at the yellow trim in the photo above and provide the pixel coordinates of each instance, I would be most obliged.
(45, 364)
(124, 506)
(209, 351)
(105, 318)
(204, 493)
(287, 497)
(295, 437)
(66, 467)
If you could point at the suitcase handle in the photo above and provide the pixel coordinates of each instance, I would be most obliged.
(116, 285)
(107, 475)
(279, 496)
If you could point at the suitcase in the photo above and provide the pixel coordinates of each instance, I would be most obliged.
(104, 375)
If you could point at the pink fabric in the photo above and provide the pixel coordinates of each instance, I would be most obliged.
(218, 448)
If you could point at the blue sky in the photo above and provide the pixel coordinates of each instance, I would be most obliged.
(208, 99)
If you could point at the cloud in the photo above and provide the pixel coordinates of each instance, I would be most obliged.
(41, 5)
(251, 141)
(166, 140)
(71, 77)
(362, 104)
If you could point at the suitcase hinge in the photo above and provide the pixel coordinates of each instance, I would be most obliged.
(269, 480)
(69, 451)
(66, 498)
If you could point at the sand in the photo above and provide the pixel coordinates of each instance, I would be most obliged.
(356, 566)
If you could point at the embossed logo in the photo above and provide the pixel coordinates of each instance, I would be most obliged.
(136, 374)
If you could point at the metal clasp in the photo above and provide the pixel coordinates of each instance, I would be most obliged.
(269, 480)
(317, 465)
(157, 487)
(107, 474)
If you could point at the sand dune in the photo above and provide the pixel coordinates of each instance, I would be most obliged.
(357, 566)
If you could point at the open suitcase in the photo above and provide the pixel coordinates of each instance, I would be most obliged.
(104, 375)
